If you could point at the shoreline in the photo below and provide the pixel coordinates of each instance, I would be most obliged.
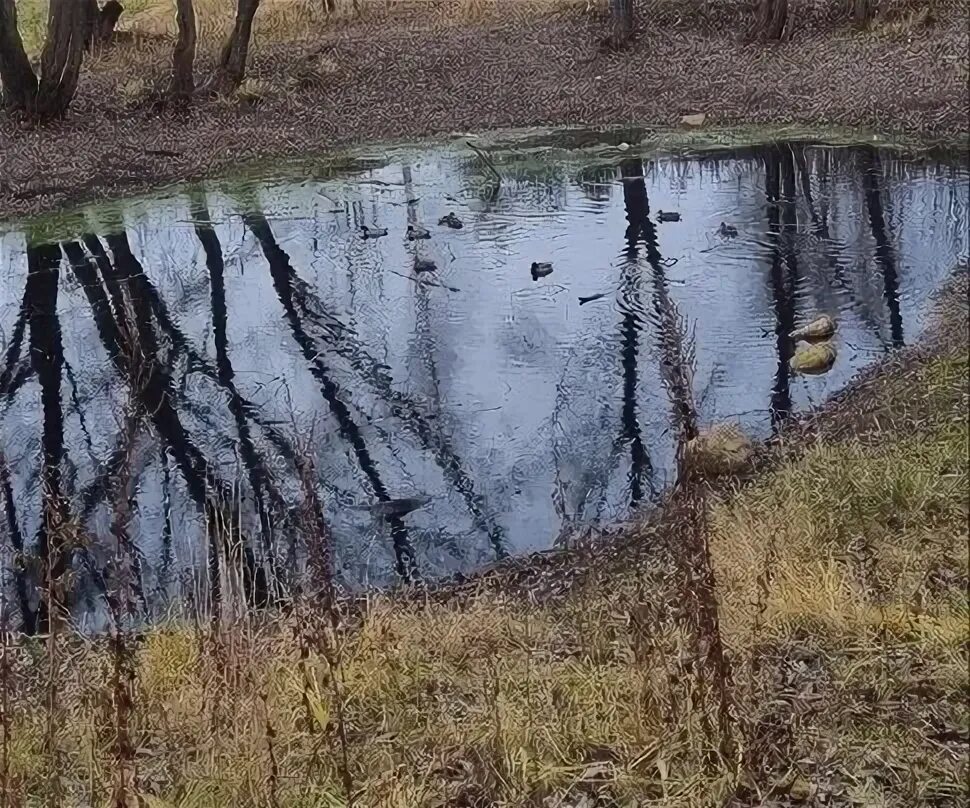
(547, 576)
(597, 142)
(539, 71)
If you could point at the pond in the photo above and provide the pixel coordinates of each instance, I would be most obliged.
(240, 361)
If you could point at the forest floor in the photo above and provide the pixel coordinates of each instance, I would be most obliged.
(427, 68)
(840, 599)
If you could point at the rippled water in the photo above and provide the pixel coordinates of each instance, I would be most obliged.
(258, 327)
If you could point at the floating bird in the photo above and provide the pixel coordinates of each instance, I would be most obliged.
(415, 233)
(541, 269)
(727, 231)
(451, 221)
(424, 265)
(391, 508)
(819, 329)
(373, 232)
(668, 216)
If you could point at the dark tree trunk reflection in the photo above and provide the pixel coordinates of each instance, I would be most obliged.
(783, 292)
(635, 202)
(885, 254)
(675, 356)
(256, 470)
(28, 617)
(283, 279)
(47, 356)
(133, 347)
(11, 357)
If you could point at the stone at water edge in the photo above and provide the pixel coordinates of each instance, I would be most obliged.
(696, 119)
(814, 359)
(720, 449)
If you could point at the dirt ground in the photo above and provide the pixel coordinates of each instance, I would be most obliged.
(415, 74)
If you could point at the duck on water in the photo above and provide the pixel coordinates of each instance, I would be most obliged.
(452, 221)
(540, 269)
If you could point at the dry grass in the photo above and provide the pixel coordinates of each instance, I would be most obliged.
(842, 589)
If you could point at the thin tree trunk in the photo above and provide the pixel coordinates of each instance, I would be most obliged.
(183, 80)
(231, 70)
(60, 62)
(16, 75)
(91, 15)
(107, 19)
(862, 11)
(621, 23)
(772, 18)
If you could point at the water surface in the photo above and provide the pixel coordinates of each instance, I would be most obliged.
(248, 330)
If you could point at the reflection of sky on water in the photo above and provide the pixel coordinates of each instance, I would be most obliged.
(521, 385)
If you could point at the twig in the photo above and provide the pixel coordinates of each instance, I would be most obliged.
(427, 283)
(485, 159)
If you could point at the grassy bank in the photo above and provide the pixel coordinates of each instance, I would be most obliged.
(841, 594)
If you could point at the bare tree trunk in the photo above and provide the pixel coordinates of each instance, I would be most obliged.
(621, 23)
(16, 75)
(91, 15)
(107, 20)
(182, 84)
(99, 23)
(862, 11)
(772, 18)
(231, 69)
(60, 62)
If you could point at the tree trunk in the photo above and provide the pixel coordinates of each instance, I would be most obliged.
(17, 77)
(182, 84)
(91, 16)
(107, 20)
(231, 70)
(99, 23)
(862, 11)
(621, 23)
(772, 18)
(60, 62)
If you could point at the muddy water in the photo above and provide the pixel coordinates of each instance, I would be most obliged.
(179, 372)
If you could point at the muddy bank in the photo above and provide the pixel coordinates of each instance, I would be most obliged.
(411, 76)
